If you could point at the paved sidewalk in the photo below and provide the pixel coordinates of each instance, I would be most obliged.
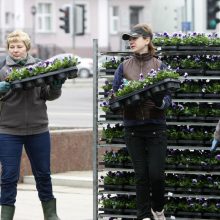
(73, 203)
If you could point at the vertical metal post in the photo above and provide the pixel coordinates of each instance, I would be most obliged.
(95, 129)
(73, 24)
(33, 12)
(186, 10)
(193, 15)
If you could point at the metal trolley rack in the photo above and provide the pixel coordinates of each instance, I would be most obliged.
(186, 170)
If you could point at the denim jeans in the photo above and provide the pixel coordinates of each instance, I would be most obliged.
(37, 148)
(147, 146)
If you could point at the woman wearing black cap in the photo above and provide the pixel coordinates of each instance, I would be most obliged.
(145, 126)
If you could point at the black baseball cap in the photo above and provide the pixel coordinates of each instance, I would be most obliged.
(136, 32)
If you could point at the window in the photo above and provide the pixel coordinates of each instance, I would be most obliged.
(44, 17)
(135, 15)
(114, 19)
(7, 18)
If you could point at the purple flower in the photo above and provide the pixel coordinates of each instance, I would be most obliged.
(30, 69)
(218, 157)
(141, 77)
(209, 179)
(194, 181)
(121, 86)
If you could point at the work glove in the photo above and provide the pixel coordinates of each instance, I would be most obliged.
(215, 144)
(57, 84)
(158, 99)
(4, 86)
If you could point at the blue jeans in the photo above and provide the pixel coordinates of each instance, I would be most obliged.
(37, 148)
(147, 146)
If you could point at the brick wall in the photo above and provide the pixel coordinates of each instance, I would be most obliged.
(71, 150)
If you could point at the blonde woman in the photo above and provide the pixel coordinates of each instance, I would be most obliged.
(24, 122)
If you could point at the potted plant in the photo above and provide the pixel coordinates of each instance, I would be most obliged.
(45, 70)
(133, 92)
(119, 180)
(212, 90)
(191, 89)
(119, 204)
(190, 41)
(113, 134)
(120, 158)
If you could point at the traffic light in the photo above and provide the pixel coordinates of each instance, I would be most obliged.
(80, 19)
(212, 9)
(66, 19)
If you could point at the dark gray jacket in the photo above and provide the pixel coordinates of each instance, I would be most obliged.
(25, 111)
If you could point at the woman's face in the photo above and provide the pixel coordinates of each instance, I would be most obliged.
(17, 50)
(139, 45)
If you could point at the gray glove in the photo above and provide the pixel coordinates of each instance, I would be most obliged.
(57, 84)
(4, 87)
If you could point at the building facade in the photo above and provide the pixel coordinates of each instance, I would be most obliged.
(104, 20)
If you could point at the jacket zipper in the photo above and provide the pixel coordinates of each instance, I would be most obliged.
(141, 65)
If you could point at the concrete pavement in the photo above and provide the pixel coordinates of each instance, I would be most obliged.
(73, 202)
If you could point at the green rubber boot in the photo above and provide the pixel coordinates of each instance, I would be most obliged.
(7, 212)
(50, 211)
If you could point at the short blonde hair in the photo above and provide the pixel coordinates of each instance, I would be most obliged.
(19, 35)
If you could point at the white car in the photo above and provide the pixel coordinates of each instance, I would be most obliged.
(85, 65)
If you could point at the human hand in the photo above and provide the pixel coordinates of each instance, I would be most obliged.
(4, 86)
(215, 144)
(158, 99)
(57, 84)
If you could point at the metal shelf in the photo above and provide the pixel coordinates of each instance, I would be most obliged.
(98, 78)
(102, 215)
(167, 195)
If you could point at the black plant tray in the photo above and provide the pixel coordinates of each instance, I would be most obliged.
(211, 215)
(108, 71)
(119, 187)
(212, 96)
(192, 95)
(192, 167)
(188, 214)
(116, 141)
(184, 190)
(46, 78)
(118, 211)
(212, 118)
(188, 142)
(171, 47)
(135, 97)
(171, 118)
(191, 72)
(112, 117)
(191, 118)
(118, 165)
(200, 215)
(193, 142)
(199, 48)
(104, 93)
(212, 72)
(189, 47)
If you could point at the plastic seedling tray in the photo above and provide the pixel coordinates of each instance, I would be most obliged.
(136, 96)
(46, 78)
